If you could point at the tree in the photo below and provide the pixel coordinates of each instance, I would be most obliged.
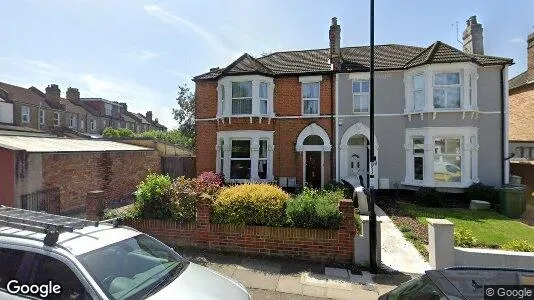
(185, 113)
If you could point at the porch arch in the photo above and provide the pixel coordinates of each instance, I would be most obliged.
(313, 129)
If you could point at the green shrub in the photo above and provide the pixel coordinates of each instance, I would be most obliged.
(357, 222)
(110, 132)
(314, 209)
(404, 228)
(130, 212)
(464, 238)
(428, 197)
(250, 204)
(338, 185)
(480, 191)
(184, 195)
(519, 245)
(153, 197)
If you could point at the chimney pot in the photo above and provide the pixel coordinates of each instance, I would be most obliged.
(73, 94)
(334, 35)
(473, 37)
(149, 115)
(334, 21)
(53, 94)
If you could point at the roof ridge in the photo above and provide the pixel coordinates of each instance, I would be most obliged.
(432, 52)
(418, 55)
(240, 59)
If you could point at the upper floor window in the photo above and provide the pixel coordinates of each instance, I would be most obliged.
(72, 122)
(242, 98)
(447, 90)
(81, 124)
(25, 114)
(57, 119)
(41, 116)
(310, 98)
(360, 96)
(93, 125)
(222, 97)
(419, 92)
(264, 99)
(107, 108)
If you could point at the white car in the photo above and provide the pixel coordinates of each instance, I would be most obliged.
(55, 257)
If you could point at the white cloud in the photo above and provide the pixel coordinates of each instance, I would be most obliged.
(179, 22)
(517, 40)
(144, 55)
(138, 97)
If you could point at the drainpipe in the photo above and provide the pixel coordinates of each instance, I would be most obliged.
(333, 124)
(337, 129)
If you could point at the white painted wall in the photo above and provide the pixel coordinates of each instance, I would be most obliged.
(6, 112)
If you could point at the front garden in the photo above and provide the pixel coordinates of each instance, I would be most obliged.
(473, 228)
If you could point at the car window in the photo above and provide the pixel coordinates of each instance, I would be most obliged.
(421, 288)
(48, 269)
(15, 265)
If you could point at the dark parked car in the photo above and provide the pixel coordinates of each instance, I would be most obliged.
(461, 283)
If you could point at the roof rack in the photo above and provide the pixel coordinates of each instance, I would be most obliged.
(51, 225)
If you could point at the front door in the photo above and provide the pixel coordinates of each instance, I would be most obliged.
(313, 169)
(358, 163)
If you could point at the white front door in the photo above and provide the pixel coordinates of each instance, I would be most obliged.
(358, 163)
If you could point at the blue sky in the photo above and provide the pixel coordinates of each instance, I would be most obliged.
(140, 51)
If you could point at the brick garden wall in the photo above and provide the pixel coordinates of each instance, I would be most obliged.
(287, 162)
(299, 243)
(115, 173)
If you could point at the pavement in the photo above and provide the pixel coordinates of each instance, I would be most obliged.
(394, 246)
(269, 278)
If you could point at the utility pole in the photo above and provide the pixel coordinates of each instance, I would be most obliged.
(372, 159)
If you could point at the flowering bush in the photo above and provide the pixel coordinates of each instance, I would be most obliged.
(209, 183)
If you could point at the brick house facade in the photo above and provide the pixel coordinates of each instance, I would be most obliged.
(302, 117)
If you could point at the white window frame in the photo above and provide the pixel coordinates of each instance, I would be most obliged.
(460, 141)
(25, 113)
(93, 124)
(224, 109)
(81, 124)
(241, 158)
(41, 116)
(418, 90)
(57, 119)
(422, 155)
(224, 152)
(468, 93)
(72, 121)
(460, 86)
(264, 99)
(468, 148)
(266, 158)
(318, 99)
(108, 109)
(243, 98)
(360, 82)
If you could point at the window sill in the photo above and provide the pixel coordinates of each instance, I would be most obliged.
(462, 185)
(230, 181)
(449, 110)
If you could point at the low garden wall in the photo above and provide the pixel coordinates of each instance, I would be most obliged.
(442, 252)
(301, 243)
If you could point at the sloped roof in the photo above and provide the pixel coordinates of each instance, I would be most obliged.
(387, 57)
(24, 95)
(521, 80)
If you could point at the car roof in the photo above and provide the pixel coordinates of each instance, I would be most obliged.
(78, 242)
(470, 281)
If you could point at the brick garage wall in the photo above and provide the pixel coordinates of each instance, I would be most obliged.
(299, 243)
(115, 173)
(287, 102)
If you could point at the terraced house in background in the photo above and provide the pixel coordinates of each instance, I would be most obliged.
(49, 112)
(302, 117)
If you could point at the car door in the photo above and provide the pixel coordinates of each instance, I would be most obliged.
(34, 268)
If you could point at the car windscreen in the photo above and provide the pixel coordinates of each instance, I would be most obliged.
(421, 288)
(133, 268)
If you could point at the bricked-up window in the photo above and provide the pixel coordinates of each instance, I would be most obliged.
(418, 158)
(240, 160)
(447, 90)
(57, 118)
(41, 116)
(242, 98)
(262, 160)
(310, 98)
(360, 96)
(264, 99)
(25, 114)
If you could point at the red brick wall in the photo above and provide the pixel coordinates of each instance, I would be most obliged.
(287, 102)
(309, 244)
(116, 173)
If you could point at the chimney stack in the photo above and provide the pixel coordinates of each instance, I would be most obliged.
(73, 94)
(334, 35)
(473, 37)
(530, 50)
(149, 115)
(53, 94)
(124, 105)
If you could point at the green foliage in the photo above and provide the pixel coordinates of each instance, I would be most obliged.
(153, 197)
(185, 113)
(357, 222)
(428, 197)
(464, 238)
(338, 185)
(315, 209)
(129, 212)
(480, 191)
(185, 196)
(110, 132)
(175, 137)
(250, 204)
(404, 228)
(519, 245)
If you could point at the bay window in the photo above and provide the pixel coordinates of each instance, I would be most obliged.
(310, 98)
(245, 96)
(264, 100)
(419, 92)
(245, 155)
(242, 98)
(360, 96)
(447, 90)
(441, 156)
